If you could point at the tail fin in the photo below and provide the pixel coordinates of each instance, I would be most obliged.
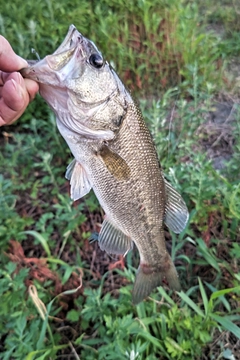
(149, 277)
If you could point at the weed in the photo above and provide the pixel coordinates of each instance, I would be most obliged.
(153, 45)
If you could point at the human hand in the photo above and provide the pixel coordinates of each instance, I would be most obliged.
(15, 92)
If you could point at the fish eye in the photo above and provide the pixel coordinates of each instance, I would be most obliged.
(96, 61)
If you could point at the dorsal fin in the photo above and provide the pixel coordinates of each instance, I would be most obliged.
(79, 182)
(176, 212)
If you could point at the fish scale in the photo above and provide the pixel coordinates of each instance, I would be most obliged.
(114, 155)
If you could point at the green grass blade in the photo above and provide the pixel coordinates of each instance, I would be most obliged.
(40, 238)
(208, 257)
(220, 293)
(224, 292)
(227, 324)
(221, 298)
(204, 296)
(190, 303)
(165, 295)
(175, 345)
(46, 352)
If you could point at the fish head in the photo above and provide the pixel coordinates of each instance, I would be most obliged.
(78, 83)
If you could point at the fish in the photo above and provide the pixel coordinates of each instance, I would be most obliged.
(113, 154)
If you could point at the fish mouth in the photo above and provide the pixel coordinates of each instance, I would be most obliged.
(42, 70)
(70, 39)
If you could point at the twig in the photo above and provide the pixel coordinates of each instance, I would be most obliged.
(74, 351)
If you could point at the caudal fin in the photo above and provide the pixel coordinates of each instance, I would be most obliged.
(149, 277)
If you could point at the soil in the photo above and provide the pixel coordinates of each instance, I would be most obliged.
(217, 135)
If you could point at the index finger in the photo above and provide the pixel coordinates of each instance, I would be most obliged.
(9, 61)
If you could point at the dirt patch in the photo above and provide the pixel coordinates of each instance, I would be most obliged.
(217, 135)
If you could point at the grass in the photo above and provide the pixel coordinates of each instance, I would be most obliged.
(59, 298)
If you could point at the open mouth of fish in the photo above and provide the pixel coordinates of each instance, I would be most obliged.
(62, 62)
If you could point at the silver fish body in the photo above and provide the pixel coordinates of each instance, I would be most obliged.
(114, 155)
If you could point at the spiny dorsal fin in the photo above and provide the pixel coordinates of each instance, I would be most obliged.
(112, 240)
(176, 212)
(79, 182)
(116, 165)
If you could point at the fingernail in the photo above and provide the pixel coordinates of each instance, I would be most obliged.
(17, 88)
(23, 62)
(19, 78)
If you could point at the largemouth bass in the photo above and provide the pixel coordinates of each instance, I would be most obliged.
(114, 155)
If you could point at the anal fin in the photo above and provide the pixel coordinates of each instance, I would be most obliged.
(79, 182)
(112, 240)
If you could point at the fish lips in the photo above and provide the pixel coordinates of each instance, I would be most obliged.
(55, 68)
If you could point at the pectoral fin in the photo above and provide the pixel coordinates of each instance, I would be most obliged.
(112, 240)
(79, 182)
(116, 165)
(176, 212)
